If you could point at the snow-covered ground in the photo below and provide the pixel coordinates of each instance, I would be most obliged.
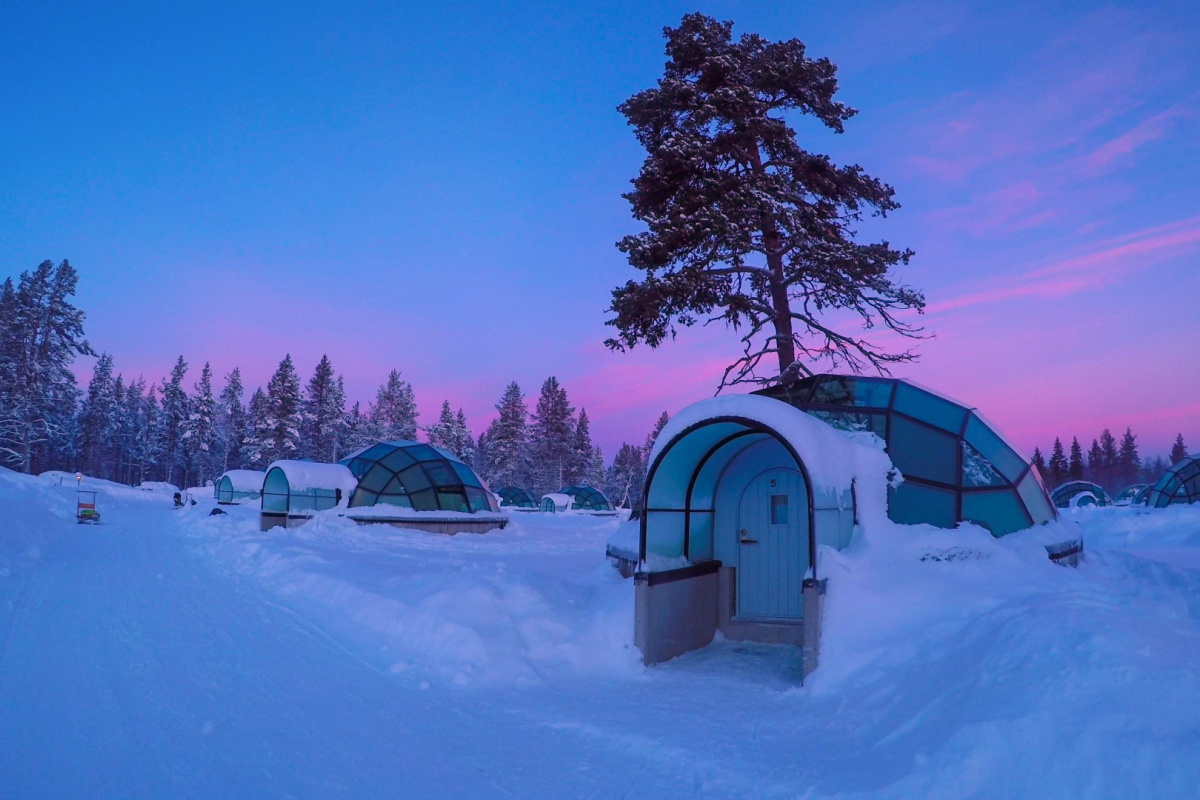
(168, 653)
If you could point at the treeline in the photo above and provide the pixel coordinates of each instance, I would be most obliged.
(130, 431)
(1108, 463)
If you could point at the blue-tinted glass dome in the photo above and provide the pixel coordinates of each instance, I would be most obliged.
(1132, 495)
(956, 466)
(1065, 496)
(1179, 484)
(414, 475)
(585, 498)
(515, 497)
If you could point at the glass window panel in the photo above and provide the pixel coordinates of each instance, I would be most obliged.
(911, 504)
(361, 498)
(453, 500)
(674, 471)
(664, 533)
(977, 470)
(1034, 496)
(395, 486)
(930, 408)
(478, 499)
(400, 500)
(876, 423)
(359, 466)
(466, 474)
(1000, 512)
(779, 509)
(423, 452)
(919, 451)
(442, 474)
(700, 543)
(424, 500)
(397, 460)
(985, 440)
(375, 479)
(414, 478)
(377, 452)
(845, 391)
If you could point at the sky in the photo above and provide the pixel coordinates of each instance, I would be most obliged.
(436, 188)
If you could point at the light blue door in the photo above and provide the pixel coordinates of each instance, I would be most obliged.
(772, 546)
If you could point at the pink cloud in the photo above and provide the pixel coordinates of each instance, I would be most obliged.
(1148, 131)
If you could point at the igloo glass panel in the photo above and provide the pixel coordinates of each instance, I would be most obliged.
(423, 452)
(442, 474)
(842, 391)
(465, 474)
(415, 479)
(397, 460)
(1000, 512)
(911, 503)
(977, 470)
(477, 499)
(664, 533)
(275, 492)
(858, 421)
(919, 451)
(424, 500)
(1034, 497)
(452, 500)
(930, 408)
(401, 500)
(985, 440)
(361, 498)
(376, 479)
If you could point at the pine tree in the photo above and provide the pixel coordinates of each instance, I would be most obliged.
(1075, 467)
(464, 444)
(283, 397)
(394, 414)
(1059, 469)
(450, 433)
(1096, 470)
(1178, 450)
(233, 421)
(357, 431)
(259, 443)
(151, 449)
(551, 439)
(200, 432)
(745, 225)
(98, 420)
(133, 431)
(1039, 463)
(506, 454)
(324, 413)
(582, 451)
(1108, 460)
(652, 437)
(626, 477)
(41, 332)
(1129, 463)
(597, 475)
(174, 419)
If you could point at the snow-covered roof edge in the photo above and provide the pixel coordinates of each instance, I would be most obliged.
(305, 475)
(832, 459)
(245, 480)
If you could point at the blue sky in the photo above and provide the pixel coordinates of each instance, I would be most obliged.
(436, 188)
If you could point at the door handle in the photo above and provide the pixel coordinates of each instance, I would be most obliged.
(742, 538)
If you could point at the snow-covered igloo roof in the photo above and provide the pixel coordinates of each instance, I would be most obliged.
(304, 476)
(243, 480)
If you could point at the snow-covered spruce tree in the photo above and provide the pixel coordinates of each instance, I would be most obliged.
(597, 475)
(652, 437)
(41, 332)
(450, 433)
(1039, 463)
(283, 398)
(232, 418)
(174, 417)
(324, 412)
(1075, 467)
(394, 415)
(1058, 464)
(151, 450)
(260, 432)
(507, 437)
(98, 421)
(626, 476)
(1129, 463)
(551, 439)
(747, 226)
(133, 431)
(200, 432)
(1178, 450)
(1109, 457)
(580, 466)
(357, 430)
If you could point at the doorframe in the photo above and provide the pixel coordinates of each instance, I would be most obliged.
(755, 427)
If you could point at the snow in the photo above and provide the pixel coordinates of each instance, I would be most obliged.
(306, 475)
(246, 480)
(833, 459)
(167, 653)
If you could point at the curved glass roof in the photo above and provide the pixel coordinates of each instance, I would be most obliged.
(515, 497)
(585, 498)
(418, 476)
(956, 465)
(1179, 484)
(1130, 494)
(1064, 494)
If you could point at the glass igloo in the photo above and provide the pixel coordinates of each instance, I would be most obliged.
(956, 466)
(515, 497)
(417, 476)
(1079, 493)
(1179, 484)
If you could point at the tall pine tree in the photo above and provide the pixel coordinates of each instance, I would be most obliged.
(233, 421)
(1075, 467)
(174, 420)
(1178, 450)
(200, 433)
(258, 446)
(394, 415)
(505, 460)
(1059, 470)
(283, 399)
(551, 439)
(324, 413)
